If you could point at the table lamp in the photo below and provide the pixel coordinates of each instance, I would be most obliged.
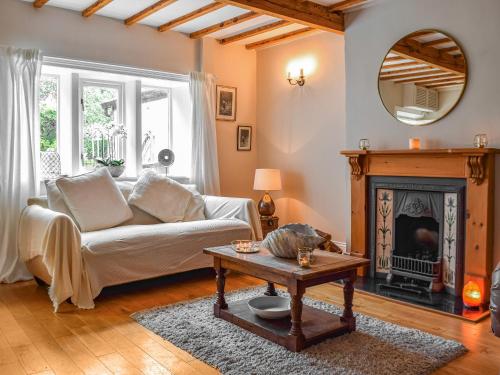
(267, 180)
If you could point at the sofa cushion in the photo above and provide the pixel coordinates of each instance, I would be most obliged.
(161, 197)
(94, 200)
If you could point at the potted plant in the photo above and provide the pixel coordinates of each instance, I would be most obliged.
(115, 167)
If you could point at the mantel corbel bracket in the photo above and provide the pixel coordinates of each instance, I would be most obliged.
(476, 168)
(356, 163)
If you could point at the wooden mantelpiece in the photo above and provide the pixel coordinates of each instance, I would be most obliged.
(475, 165)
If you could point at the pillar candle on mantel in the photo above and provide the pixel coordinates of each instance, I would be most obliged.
(414, 143)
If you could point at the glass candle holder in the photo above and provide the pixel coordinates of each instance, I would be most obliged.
(480, 140)
(304, 257)
(414, 143)
(364, 144)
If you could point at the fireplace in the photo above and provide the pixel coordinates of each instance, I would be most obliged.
(416, 229)
(425, 220)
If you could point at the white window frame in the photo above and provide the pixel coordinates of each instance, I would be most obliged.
(85, 82)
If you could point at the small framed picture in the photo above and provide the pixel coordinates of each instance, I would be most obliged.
(244, 138)
(226, 103)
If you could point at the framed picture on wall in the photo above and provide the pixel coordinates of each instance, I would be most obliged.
(226, 103)
(244, 138)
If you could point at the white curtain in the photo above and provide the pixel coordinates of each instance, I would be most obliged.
(19, 130)
(205, 165)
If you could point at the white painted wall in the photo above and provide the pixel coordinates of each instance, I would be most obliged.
(372, 31)
(62, 33)
(302, 130)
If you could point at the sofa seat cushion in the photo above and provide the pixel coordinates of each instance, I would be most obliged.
(135, 252)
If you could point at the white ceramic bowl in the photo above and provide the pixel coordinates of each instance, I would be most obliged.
(270, 307)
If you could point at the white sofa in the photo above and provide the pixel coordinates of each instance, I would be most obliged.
(79, 265)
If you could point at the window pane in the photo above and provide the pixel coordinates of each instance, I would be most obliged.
(156, 130)
(104, 136)
(48, 97)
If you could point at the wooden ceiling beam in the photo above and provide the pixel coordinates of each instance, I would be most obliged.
(280, 38)
(443, 82)
(253, 32)
(437, 42)
(345, 5)
(148, 11)
(418, 34)
(404, 71)
(412, 49)
(438, 79)
(224, 25)
(304, 12)
(451, 49)
(99, 4)
(431, 73)
(444, 85)
(394, 58)
(39, 3)
(191, 16)
(401, 65)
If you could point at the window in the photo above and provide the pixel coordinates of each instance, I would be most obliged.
(48, 112)
(103, 112)
(156, 124)
(102, 132)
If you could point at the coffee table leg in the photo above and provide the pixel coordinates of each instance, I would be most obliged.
(270, 291)
(348, 316)
(296, 338)
(221, 282)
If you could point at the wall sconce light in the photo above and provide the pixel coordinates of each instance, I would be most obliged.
(301, 80)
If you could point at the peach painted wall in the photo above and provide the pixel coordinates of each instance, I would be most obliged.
(233, 65)
(302, 130)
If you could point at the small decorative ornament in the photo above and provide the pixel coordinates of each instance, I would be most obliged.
(471, 295)
(480, 140)
(285, 241)
(414, 143)
(304, 256)
(245, 246)
(364, 144)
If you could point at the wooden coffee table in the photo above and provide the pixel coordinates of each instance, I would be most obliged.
(307, 325)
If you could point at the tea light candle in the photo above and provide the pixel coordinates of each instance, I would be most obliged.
(304, 261)
(414, 143)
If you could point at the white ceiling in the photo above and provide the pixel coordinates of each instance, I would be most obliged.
(122, 9)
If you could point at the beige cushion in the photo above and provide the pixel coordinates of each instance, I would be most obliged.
(55, 199)
(94, 200)
(161, 197)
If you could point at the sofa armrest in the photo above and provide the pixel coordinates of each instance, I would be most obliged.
(55, 237)
(234, 208)
(35, 225)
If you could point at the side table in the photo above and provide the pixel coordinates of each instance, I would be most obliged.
(268, 223)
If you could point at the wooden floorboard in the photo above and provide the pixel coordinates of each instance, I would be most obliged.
(34, 340)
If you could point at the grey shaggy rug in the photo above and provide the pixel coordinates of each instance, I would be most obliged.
(377, 347)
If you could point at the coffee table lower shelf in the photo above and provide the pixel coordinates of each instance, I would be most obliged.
(317, 325)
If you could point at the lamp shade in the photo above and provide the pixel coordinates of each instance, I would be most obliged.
(267, 179)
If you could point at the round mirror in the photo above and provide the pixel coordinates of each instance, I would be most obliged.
(422, 77)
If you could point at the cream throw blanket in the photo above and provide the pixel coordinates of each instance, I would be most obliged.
(60, 240)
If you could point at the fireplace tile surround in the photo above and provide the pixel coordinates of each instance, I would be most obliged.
(460, 182)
